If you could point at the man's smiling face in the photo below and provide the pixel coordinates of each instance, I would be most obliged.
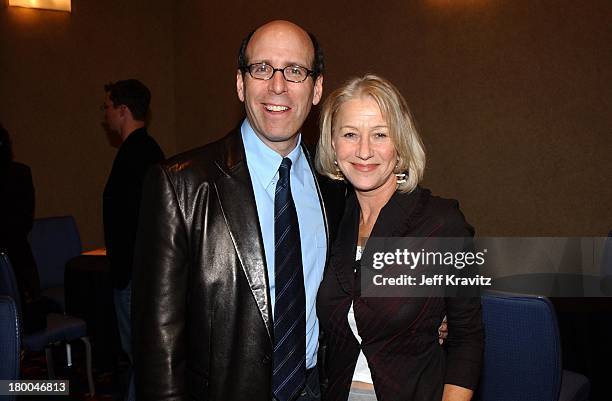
(276, 108)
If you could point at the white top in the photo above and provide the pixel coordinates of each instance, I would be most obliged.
(362, 370)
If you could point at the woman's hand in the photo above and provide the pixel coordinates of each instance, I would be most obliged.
(456, 393)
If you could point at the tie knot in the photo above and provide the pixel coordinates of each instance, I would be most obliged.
(285, 167)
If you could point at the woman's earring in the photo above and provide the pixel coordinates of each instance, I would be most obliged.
(338, 173)
(401, 178)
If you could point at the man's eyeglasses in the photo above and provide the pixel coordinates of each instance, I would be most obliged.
(291, 73)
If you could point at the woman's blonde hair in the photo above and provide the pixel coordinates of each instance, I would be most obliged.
(402, 130)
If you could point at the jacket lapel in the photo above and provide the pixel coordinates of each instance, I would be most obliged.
(237, 200)
(345, 245)
(398, 215)
(395, 220)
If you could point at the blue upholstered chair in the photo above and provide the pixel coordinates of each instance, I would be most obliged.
(522, 360)
(10, 344)
(60, 328)
(54, 241)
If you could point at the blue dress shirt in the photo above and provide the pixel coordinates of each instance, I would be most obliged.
(263, 164)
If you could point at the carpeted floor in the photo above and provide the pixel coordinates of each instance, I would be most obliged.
(109, 385)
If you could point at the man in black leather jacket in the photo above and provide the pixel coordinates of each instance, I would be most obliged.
(203, 280)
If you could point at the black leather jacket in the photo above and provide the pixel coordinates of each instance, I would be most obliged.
(202, 312)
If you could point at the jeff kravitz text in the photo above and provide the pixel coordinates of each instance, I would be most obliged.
(435, 280)
(428, 268)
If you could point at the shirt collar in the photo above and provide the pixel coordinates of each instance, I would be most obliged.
(264, 162)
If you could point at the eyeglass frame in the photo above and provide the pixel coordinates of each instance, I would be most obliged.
(247, 68)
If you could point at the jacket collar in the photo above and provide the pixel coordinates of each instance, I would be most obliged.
(394, 220)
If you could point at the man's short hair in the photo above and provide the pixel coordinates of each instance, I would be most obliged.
(317, 67)
(133, 94)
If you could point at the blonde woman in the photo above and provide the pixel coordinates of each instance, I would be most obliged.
(387, 349)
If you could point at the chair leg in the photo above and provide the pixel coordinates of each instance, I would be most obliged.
(68, 355)
(49, 358)
(92, 389)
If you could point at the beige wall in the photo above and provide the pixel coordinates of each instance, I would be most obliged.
(53, 66)
(512, 97)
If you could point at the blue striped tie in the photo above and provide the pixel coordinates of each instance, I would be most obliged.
(289, 375)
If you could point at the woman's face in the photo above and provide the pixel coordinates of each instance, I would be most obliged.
(364, 150)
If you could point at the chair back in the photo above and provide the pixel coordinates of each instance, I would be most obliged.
(8, 282)
(54, 241)
(10, 339)
(522, 359)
